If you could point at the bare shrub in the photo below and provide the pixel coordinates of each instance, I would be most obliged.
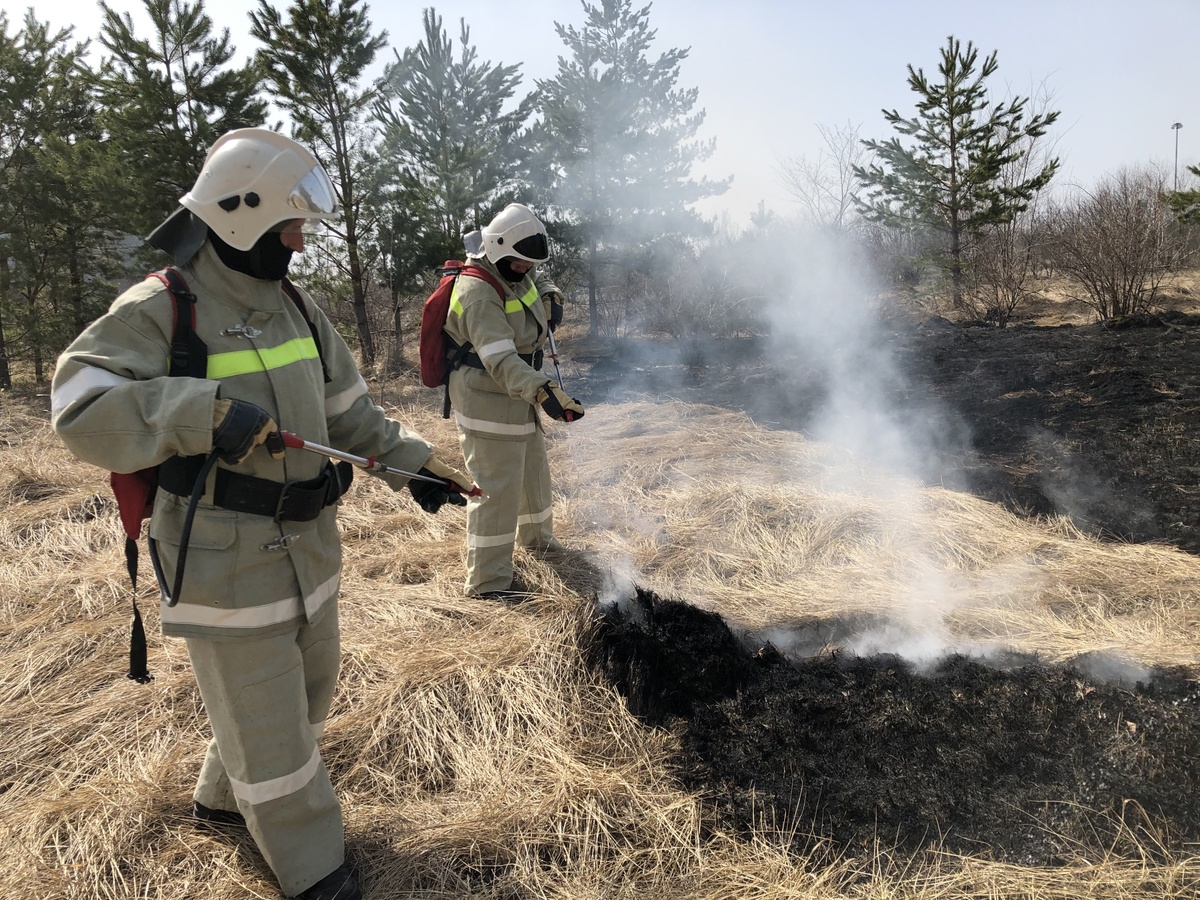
(708, 305)
(826, 187)
(1117, 242)
(1002, 268)
(687, 291)
(1004, 258)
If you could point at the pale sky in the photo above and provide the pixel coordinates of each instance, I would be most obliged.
(1121, 72)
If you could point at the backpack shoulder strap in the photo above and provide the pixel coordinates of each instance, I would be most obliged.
(135, 491)
(294, 296)
(483, 275)
(189, 354)
(458, 352)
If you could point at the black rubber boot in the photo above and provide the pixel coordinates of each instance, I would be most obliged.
(218, 816)
(337, 885)
(517, 592)
(509, 596)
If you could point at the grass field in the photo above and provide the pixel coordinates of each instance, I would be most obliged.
(475, 752)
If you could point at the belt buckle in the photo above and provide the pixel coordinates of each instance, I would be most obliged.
(284, 491)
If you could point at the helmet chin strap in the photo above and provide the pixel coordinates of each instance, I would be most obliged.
(268, 259)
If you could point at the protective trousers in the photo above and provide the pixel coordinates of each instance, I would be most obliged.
(267, 700)
(514, 475)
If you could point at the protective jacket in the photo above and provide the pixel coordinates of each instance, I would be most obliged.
(501, 332)
(114, 405)
(495, 409)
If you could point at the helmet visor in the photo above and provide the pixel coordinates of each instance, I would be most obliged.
(314, 194)
(307, 227)
(533, 248)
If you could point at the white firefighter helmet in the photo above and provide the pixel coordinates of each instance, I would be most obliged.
(515, 232)
(252, 180)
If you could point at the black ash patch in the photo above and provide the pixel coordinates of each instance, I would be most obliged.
(1020, 761)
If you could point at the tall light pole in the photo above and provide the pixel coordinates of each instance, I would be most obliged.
(1176, 128)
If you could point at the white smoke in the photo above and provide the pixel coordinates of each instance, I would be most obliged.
(824, 306)
(618, 589)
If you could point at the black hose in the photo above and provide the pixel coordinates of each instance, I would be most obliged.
(186, 533)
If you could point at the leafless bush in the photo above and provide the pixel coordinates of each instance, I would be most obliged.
(895, 253)
(615, 305)
(1002, 267)
(1004, 258)
(1117, 242)
(826, 187)
(687, 302)
(904, 260)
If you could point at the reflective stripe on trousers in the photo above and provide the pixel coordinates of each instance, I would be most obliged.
(515, 508)
(267, 699)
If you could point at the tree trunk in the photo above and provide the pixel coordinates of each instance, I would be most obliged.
(35, 342)
(5, 374)
(78, 319)
(593, 308)
(956, 271)
(365, 341)
(396, 358)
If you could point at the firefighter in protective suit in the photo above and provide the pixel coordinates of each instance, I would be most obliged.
(495, 393)
(259, 612)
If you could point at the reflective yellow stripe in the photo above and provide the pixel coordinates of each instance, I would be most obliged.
(510, 306)
(530, 297)
(242, 362)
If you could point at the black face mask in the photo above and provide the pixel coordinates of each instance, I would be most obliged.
(268, 259)
(504, 267)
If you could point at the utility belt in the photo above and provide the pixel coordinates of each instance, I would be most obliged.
(291, 501)
(535, 359)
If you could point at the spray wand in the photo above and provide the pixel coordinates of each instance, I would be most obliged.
(553, 354)
(371, 464)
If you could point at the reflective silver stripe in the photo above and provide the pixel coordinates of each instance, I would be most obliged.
(495, 348)
(534, 518)
(273, 789)
(493, 427)
(483, 540)
(87, 381)
(251, 617)
(324, 592)
(339, 403)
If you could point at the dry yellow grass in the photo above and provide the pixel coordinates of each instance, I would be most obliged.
(474, 754)
(1052, 300)
(771, 530)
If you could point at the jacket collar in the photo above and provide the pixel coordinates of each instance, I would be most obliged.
(517, 289)
(207, 274)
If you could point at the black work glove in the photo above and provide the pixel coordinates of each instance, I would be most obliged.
(557, 404)
(239, 426)
(431, 497)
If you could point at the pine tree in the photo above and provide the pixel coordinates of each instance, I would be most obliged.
(445, 125)
(1186, 204)
(55, 196)
(314, 60)
(168, 98)
(616, 145)
(949, 178)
